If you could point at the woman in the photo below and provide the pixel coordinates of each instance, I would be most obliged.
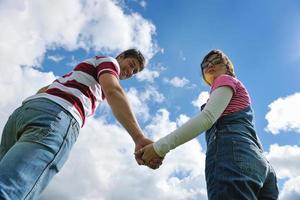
(235, 165)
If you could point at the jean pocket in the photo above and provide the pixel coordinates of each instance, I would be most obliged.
(52, 112)
(60, 161)
(249, 158)
(66, 146)
(34, 134)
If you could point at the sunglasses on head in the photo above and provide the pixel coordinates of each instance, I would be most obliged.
(214, 61)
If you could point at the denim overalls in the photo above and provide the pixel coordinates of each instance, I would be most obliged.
(36, 142)
(236, 168)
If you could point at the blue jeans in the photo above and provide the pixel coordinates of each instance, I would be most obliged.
(35, 144)
(236, 168)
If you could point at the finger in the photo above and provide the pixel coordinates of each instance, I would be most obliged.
(139, 152)
(153, 166)
(155, 163)
(145, 158)
(139, 160)
(138, 157)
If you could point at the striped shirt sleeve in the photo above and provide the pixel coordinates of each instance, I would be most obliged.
(107, 65)
(225, 80)
(241, 97)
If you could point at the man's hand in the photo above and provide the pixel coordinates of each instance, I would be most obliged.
(155, 163)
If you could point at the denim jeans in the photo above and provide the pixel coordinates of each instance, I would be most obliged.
(236, 168)
(35, 144)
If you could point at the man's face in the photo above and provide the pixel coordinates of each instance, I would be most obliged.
(128, 66)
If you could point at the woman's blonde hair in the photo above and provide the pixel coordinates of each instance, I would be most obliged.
(226, 60)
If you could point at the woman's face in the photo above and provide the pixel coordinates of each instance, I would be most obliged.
(213, 67)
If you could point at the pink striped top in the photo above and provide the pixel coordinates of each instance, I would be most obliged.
(240, 98)
(79, 91)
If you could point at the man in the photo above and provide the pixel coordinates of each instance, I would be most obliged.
(39, 135)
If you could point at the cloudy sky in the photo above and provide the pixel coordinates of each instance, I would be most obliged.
(43, 39)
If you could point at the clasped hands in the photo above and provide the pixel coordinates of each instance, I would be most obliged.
(146, 155)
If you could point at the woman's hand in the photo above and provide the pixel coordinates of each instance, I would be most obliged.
(150, 157)
(155, 163)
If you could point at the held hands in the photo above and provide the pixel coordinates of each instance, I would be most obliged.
(148, 156)
(140, 143)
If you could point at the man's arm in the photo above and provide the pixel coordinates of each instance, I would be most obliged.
(121, 109)
(119, 104)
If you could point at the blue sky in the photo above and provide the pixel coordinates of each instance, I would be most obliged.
(43, 40)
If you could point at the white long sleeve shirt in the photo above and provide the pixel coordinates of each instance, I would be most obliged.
(217, 103)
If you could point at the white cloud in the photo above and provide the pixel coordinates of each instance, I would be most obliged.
(73, 62)
(138, 105)
(74, 23)
(284, 114)
(35, 26)
(139, 100)
(291, 189)
(21, 83)
(177, 82)
(152, 94)
(56, 58)
(161, 125)
(285, 159)
(111, 29)
(147, 75)
(102, 166)
(182, 119)
(202, 99)
(143, 3)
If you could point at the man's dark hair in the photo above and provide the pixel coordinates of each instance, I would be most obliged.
(135, 54)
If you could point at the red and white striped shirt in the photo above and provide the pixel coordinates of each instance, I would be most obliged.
(79, 91)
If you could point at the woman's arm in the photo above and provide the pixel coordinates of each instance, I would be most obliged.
(217, 103)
